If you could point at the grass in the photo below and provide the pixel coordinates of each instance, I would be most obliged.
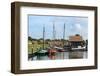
(36, 47)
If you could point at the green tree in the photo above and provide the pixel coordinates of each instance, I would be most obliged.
(30, 38)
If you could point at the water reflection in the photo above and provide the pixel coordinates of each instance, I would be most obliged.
(62, 55)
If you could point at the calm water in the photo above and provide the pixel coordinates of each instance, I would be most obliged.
(62, 55)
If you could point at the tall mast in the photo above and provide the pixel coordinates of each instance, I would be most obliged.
(43, 36)
(64, 34)
(54, 32)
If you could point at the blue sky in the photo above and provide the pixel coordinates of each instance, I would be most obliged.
(74, 25)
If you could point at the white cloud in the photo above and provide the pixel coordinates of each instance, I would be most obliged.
(78, 26)
(82, 30)
(70, 27)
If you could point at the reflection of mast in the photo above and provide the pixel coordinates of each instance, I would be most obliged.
(43, 36)
(64, 34)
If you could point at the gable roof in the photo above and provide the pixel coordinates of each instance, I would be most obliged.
(75, 38)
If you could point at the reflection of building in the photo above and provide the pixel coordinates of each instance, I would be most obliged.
(76, 41)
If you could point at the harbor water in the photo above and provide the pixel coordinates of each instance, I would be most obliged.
(62, 55)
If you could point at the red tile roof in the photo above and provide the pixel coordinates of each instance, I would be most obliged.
(75, 38)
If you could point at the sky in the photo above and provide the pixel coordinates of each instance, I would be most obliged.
(73, 25)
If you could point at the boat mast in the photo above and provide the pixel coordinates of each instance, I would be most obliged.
(64, 34)
(43, 36)
(54, 32)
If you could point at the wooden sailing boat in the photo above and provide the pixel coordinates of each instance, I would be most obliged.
(60, 49)
(52, 51)
(43, 52)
